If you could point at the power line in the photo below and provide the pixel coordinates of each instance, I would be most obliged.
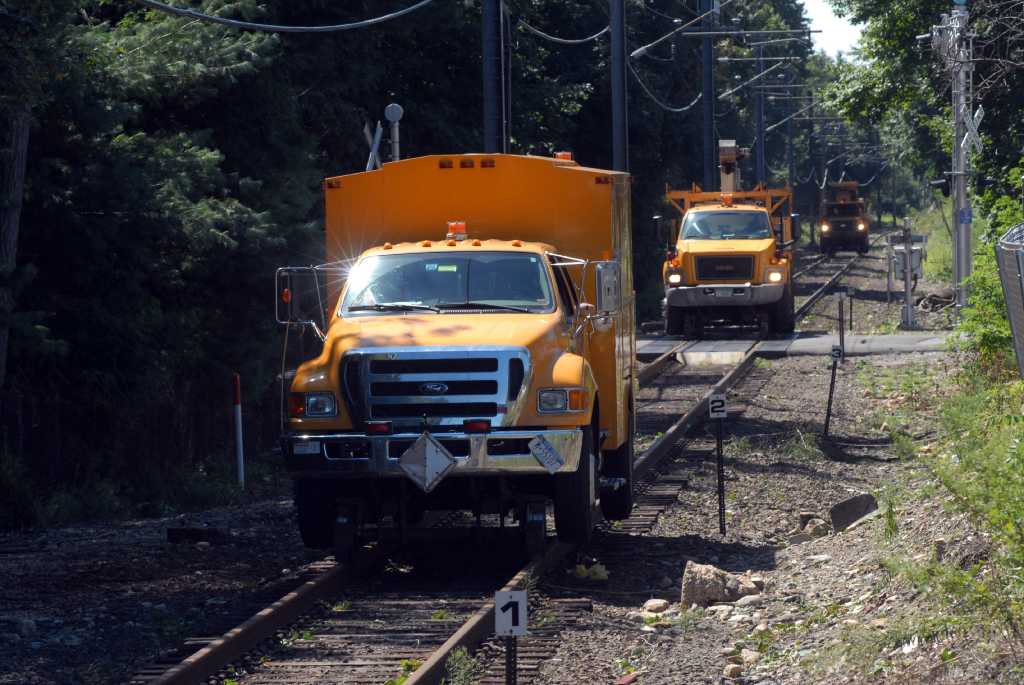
(644, 48)
(563, 41)
(276, 28)
(656, 100)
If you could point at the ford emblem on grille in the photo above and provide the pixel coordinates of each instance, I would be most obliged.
(433, 388)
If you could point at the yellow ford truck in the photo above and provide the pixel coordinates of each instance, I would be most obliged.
(478, 347)
(731, 263)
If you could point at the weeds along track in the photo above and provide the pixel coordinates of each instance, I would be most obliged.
(378, 619)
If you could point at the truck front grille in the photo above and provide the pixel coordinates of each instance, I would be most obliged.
(727, 268)
(417, 386)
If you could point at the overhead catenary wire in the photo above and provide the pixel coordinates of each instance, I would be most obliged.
(277, 28)
(563, 41)
(644, 48)
(657, 100)
(751, 80)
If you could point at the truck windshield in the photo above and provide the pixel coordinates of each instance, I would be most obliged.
(448, 281)
(844, 209)
(739, 225)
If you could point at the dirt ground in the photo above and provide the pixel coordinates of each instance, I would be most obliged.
(90, 604)
(831, 612)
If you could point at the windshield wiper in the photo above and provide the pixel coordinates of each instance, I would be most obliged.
(392, 307)
(482, 305)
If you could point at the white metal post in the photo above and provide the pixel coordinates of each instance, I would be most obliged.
(236, 382)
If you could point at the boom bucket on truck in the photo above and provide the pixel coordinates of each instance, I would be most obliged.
(732, 260)
(478, 348)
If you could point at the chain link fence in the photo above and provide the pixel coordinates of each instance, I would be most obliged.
(1010, 258)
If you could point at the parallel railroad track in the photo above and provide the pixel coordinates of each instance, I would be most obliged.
(364, 637)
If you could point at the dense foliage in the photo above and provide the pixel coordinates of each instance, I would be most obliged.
(174, 164)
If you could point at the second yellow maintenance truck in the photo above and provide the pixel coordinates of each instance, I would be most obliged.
(477, 350)
(732, 261)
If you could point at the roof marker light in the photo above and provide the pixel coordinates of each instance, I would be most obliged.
(456, 230)
(388, 246)
(486, 163)
(565, 156)
(425, 243)
(727, 199)
(444, 164)
(476, 243)
(466, 164)
(517, 243)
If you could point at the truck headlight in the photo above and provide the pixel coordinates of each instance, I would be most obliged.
(861, 227)
(675, 279)
(825, 228)
(318, 404)
(775, 276)
(561, 400)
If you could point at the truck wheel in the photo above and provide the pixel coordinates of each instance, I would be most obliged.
(864, 248)
(673, 321)
(784, 315)
(574, 495)
(317, 509)
(693, 327)
(618, 504)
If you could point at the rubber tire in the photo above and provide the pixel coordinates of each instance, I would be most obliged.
(864, 248)
(693, 327)
(673, 321)
(618, 505)
(784, 312)
(574, 508)
(317, 509)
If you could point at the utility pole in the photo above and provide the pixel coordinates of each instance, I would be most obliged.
(620, 118)
(493, 76)
(708, 97)
(955, 45)
(760, 163)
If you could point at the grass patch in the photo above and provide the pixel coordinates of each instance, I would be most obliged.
(461, 668)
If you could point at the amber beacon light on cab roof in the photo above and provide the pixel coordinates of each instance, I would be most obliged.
(473, 345)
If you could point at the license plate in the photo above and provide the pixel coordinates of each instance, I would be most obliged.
(723, 292)
(547, 455)
(306, 447)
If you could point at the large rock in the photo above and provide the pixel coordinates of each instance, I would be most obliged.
(656, 606)
(704, 584)
(850, 510)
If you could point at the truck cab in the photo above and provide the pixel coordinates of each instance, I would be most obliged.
(845, 224)
(478, 349)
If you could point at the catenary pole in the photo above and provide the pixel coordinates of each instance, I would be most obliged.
(620, 119)
(708, 99)
(494, 108)
(761, 164)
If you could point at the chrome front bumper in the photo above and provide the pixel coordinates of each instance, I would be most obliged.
(475, 454)
(725, 295)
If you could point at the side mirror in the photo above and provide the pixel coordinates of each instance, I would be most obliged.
(585, 309)
(797, 228)
(298, 297)
(608, 286)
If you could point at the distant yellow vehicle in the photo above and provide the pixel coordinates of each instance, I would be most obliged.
(844, 219)
(478, 353)
(732, 260)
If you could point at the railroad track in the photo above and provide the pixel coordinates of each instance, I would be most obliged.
(336, 626)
